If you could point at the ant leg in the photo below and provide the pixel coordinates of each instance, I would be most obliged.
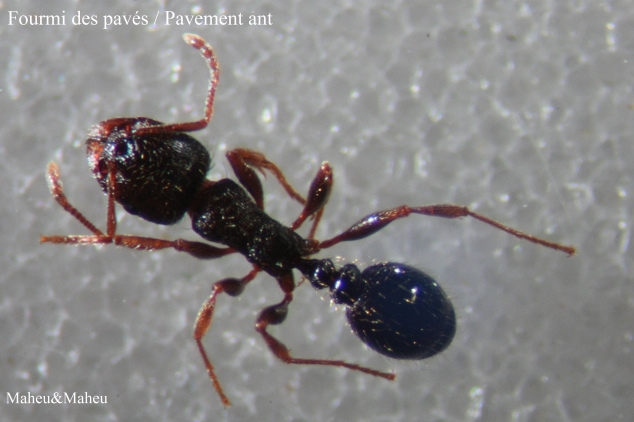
(232, 287)
(318, 195)
(244, 161)
(317, 219)
(208, 53)
(55, 186)
(196, 249)
(276, 314)
(374, 222)
(247, 176)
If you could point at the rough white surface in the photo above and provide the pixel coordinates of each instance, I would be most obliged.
(521, 110)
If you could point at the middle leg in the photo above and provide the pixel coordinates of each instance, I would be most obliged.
(245, 161)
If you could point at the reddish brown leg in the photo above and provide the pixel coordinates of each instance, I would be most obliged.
(317, 219)
(247, 176)
(207, 53)
(317, 198)
(196, 249)
(244, 161)
(55, 187)
(374, 222)
(276, 314)
(232, 287)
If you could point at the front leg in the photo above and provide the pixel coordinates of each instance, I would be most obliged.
(196, 249)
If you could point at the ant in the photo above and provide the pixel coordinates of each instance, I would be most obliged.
(158, 172)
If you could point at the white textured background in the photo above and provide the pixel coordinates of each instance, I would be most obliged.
(523, 111)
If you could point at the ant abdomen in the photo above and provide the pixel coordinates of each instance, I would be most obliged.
(157, 174)
(402, 313)
(395, 309)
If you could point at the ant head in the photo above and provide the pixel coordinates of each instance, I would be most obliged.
(157, 174)
(111, 133)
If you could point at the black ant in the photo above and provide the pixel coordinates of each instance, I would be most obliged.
(158, 172)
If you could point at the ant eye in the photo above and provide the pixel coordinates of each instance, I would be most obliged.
(122, 148)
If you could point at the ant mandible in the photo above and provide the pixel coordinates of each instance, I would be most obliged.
(158, 172)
